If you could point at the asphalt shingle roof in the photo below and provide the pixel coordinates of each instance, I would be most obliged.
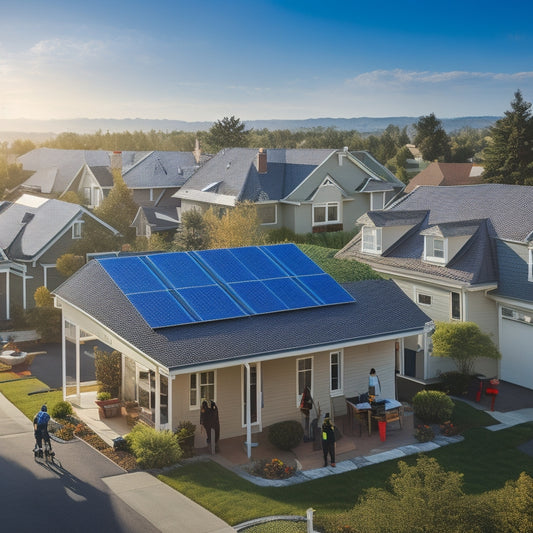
(381, 308)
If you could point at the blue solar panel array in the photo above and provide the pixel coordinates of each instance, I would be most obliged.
(170, 289)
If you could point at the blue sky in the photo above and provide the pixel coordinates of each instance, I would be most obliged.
(203, 60)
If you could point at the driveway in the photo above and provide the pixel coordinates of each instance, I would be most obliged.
(73, 498)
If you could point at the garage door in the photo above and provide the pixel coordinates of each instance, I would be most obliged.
(516, 346)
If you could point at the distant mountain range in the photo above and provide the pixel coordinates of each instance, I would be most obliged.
(13, 128)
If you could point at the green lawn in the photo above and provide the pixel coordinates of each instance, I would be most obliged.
(17, 392)
(487, 459)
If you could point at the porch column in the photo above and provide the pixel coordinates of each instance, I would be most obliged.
(170, 386)
(248, 412)
(429, 328)
(8, 315)
(157, 398)
(63, 357)
(23, 290)
(78, 372)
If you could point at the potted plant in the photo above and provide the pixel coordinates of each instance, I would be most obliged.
(108, 369)
(107, 406)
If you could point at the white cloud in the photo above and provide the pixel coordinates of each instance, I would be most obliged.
(400, 77)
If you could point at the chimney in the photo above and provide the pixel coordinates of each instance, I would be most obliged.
(197, 152)
(261, 161)
(116, 161)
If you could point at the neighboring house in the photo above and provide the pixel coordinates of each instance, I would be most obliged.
(248, 328)
(304, 190)
(150, 220)
(461, 253)
(153, 177)
(34, 232)
(446, 174)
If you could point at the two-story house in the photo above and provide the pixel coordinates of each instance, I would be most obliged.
(304, 190)
(461, 253)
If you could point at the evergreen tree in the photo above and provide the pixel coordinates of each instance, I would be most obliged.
(227, 133)
(431, 139)
(193, 233)
(509, 157)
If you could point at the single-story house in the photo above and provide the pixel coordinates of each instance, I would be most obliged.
(248, 328)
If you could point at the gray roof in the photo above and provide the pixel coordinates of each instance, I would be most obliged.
(453, 229)
(103, 175)
(381, 308)
(234, 171)
(508, 207)
(388, 218)
(26, 230)
(56, 167)
(377, 168)
(160, 218)
(160, 170)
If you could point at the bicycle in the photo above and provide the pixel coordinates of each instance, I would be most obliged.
(47, 454)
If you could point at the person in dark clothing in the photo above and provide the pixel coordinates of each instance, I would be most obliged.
(40, 426)
(328, 440)
(209, 419)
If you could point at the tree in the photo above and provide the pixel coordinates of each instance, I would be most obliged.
(193, 233)
(118, 208)
(227, 133)
(463, 342)
(72, 197)
(67, 264)
(509, 157)
(235, 227)
(45, 318)
(431, 139)
(108, 370)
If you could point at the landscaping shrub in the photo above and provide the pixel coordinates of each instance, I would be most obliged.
(432, 407)
(185, 435)
(455, 383)
(152, 448)
(61, 410)
(424, 433)
(108, 369)
(102, 396)
(286, 435)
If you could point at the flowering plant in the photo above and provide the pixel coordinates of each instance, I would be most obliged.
(448, 429)
(277, 469)
(424, 433)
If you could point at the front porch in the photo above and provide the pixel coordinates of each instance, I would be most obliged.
(232, 452)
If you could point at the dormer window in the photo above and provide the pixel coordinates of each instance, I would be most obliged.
(76, 229)
(435, 249)
(371, 240)
(377, 201)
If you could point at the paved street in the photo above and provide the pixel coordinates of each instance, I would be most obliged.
(47, 499)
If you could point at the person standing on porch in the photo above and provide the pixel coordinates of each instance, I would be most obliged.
(374, 386)
(328, 441)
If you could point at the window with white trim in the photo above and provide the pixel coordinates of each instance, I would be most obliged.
(518, 316)
(201, 387)
(304, 377)
(423, 299)
(326, 213)
(371, 240)
(76, 229)
(335, 373)
(267, 214)
(377, 201)
(455, 306)
(435, 249)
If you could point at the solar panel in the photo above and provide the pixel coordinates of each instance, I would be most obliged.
(293, 259)
(259, 263)
(132, 274)
(258, 297)
(170, 289)
(210, 302)
(160, 309)
(291, 293)
(325, 289)
(224, 265)
(181, 270)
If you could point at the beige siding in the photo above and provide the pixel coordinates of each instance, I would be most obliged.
(391, 234)
(455, 244)
(440, 307)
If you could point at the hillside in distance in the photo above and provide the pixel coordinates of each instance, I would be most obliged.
(12, 128)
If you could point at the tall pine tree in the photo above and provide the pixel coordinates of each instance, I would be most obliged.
(509, 157)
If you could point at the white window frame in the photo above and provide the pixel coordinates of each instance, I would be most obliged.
(530, 267)
(310, 370)
(376, 237)
(429, 249)
(339, 391)
(326, 206)
(374, 204)
(423, 294)
(76, 229)
(275, 214)
(460, 317)
(197, 391)
(509, 313)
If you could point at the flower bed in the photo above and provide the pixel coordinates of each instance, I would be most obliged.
(274, 469)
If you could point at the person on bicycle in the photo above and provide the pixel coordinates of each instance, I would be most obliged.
(40, 426)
